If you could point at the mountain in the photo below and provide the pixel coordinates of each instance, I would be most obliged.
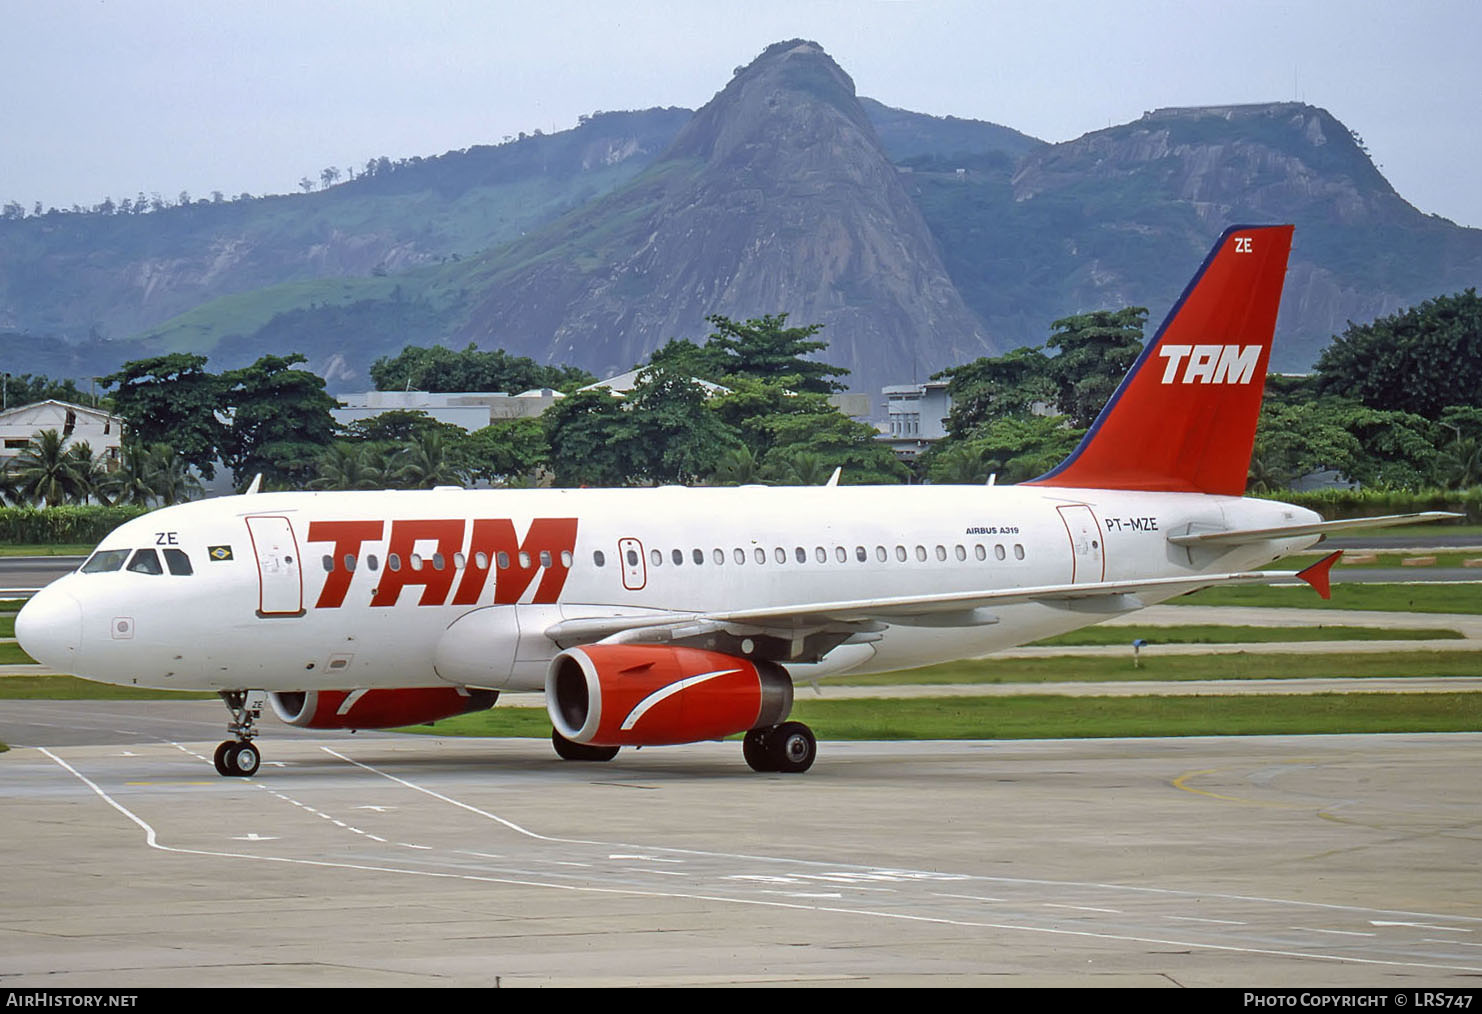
(775, 197)
(1118, 216)
(117, 274)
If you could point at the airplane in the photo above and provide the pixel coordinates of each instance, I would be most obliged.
(675, 615)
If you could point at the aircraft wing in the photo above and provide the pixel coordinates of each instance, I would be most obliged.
(1246, 535)
(869, 615)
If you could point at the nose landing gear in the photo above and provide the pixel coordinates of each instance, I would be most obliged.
(239, 758)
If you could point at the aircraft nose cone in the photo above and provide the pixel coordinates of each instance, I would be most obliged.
(49, 629)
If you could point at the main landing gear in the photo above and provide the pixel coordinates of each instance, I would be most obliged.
(788, 748)
(239, 758)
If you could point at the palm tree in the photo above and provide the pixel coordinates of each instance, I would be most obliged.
(47, 471)
(426, 462)
(736, 467)
(346, 466)
(170, 477)
(91, 472)
(131, 483)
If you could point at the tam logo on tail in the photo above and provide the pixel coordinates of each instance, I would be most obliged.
(1184, 418)
(1210, 364)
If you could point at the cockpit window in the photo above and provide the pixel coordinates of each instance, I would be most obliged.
(146, 561)
(178, 562)
(105, 560)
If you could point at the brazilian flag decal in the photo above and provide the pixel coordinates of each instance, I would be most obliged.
(219, 552)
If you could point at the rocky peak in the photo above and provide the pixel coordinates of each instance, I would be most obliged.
(775, 198)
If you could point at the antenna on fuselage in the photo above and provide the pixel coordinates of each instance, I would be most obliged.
(992, 479)
(833, 480)
(254, 486)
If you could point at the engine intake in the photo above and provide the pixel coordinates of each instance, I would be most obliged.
(377, 709)
(650, 695)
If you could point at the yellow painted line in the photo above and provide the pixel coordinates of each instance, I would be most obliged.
(1181, 783)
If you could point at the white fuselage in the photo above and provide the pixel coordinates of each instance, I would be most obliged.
(271, 603)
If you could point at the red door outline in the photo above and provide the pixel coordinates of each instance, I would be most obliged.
(280, 581)
(635, 571)
(1087, 559)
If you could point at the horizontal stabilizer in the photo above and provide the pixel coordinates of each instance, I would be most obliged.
(1317, 574)
(1243, 536)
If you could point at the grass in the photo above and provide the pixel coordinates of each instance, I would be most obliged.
(1448, 558)
(40, 549)
(1055, 717)
(11, 654)
(1420, 531)
(1234, 665)
(1212, 634)
(7, 625)
(70, 688)
(1390, 598)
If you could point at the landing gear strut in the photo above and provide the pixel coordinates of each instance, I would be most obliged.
(239, 758)
(789, 748)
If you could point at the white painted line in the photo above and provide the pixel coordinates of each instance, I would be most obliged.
(1341, 933)
(1084, 908)
(653, 873)
(1220, 922)
(1419, 925)
(1453, 943)
(967, 897)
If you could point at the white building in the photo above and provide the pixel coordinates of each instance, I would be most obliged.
(916, 416)
(100, 430)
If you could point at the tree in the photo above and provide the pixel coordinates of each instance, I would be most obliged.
(765, 348)
(438, 368)
(835, 441)
(280, 420)
(26, 389)
(1421, 360)
(986, 388)
(427, 460)
(591, 440)
(48, 472)
(150, 474)
(505, 453)
(736, 467)
(1095, 352)
(1013, 448)
(173, 400)
(677, 437)
(398, 425)
(344, 466)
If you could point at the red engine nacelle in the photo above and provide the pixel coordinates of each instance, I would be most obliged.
(648, 694)
(378, 709)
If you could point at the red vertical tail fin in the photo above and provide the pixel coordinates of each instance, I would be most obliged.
(1184, 418)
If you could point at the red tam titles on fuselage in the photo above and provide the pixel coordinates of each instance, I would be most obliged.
(491, 547)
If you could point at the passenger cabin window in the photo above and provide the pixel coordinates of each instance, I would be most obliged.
(178, 563)
(598, 559)
(105, 560)
(146, 561)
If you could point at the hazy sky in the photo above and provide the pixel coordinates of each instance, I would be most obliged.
(107, 98)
